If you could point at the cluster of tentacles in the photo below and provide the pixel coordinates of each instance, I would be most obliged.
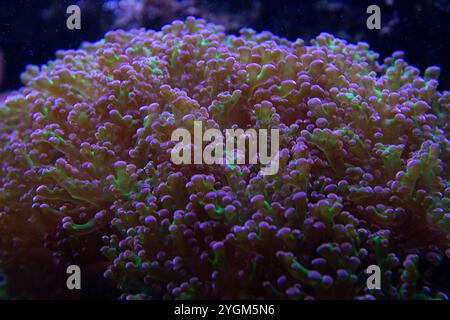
(86, 176)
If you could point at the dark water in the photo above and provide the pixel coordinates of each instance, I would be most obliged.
(31, 31)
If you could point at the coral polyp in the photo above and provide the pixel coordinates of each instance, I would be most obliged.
(87, 178)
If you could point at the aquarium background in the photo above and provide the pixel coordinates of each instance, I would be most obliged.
(32, 31)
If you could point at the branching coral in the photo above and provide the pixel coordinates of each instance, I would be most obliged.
(86, 174)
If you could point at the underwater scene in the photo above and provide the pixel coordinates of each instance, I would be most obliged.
(224, 150)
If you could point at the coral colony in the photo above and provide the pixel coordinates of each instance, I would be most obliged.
(235, 147)
(87, 176)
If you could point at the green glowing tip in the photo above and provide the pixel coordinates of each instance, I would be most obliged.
(154, 66)
(84, 227)
(350, 95)
(123, 182)
(205, 42)
(174, 56)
